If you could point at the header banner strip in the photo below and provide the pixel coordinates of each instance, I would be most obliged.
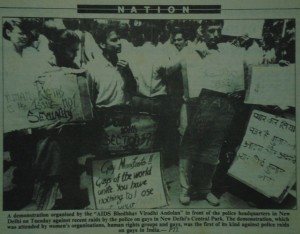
(149, 9)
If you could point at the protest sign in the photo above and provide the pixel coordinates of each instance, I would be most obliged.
(129, 133)
(252, 28)
(266, 160)
(227, 76)
(52, 97)
(267, 82)
(128, 182)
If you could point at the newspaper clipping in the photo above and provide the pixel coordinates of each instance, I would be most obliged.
(135, 117)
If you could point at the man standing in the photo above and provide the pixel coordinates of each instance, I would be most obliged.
(112, 79)
(153, 68)
(212, 81)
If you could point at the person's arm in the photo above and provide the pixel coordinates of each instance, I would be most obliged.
(125, 71)
(176, 67)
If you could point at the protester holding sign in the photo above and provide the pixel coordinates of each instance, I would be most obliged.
(209, 115)
(55, 165)
(17, 39)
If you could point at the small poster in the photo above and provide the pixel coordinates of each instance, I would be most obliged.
(129, 133)
(266, 160)
(128, 182)
(271, 85)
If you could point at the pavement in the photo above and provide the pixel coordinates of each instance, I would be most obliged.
(227, 200)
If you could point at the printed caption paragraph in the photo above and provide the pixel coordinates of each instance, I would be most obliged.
(148, 221)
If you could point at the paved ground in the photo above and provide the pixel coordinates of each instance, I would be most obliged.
(172, 179)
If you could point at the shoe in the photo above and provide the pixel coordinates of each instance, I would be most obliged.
(184, 198)
(212, 199)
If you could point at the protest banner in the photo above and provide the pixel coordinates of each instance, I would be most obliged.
(128, 182)
(266, 82)
(266, 160)
(46, 99)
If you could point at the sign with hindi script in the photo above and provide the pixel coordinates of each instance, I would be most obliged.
(271, 85)
(266, 160)
(128, 182)
(52, 97)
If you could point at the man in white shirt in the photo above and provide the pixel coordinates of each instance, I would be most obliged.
(112, 80)
(151, 67)
(214, 73)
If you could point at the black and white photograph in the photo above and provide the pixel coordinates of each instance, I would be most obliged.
(128, 114)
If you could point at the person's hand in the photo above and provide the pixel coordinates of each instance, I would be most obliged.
(67, 70)
(123, 65)
(202, 50)
(283, 63)
(280, 108)
(52, 126)
(269, 57)
(56, 124)
(239, 95)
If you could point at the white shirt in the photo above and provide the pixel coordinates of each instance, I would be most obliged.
(19, 69)
(107, 82)
(148, 67)
(91, 49)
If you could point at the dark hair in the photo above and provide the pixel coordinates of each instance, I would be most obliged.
(63, 39)
(32, 28)
(178, 30)
(206, 23)
(151, 32)
(51, 28)
(9, 24)
(26, 25)
(72, 24)
(103, 30)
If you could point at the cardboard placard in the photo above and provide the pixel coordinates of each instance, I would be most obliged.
(128, 182)
(271, 85)
(266, 160)
(129, 133)
(54, 96)
(252, 28)
(216, 72)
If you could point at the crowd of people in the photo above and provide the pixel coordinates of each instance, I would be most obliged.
(160, 67)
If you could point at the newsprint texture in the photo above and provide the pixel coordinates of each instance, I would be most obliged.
(149, 117)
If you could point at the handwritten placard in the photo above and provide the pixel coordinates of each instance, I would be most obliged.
(266, 160)
(128, 182)
(271, 85)
(216, 71)
(129, 133)
(252, 28)
(52, 97)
